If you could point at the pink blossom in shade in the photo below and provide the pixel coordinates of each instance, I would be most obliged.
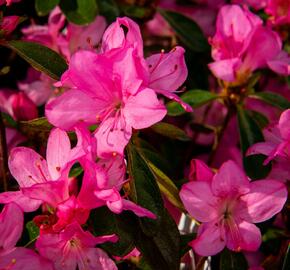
(37, 86)
(101, 185)
(46, 35)
(279, 11)
(86, 37)
(8, 2)
(17, 105)
(227, 206)
(114, 97)
(8, 24)
(73, 247)
(277, 140)
(40, 180)
(236, 46)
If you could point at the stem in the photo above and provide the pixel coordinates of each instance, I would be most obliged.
(219, 135)
(3, 155)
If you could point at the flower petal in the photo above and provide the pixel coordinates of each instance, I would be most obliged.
(137, 210)
(265, 199)
(199, 200)
(209, 240)
(27, 167)
(230, 180)
(144, 109)
(199, 171)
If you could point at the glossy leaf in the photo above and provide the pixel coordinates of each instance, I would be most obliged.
(187, 30)
(144, 189)
(109, 9)
(79, 11)
(170, 131)
(38, 124)
(43, 7)
(40, 57)
(273, 99)
(195, 98)
(250, 133)
(184, 243)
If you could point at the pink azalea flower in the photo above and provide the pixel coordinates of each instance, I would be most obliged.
(236, 43)
(38, 87)
(256, 4)
(17, 105)
(114, 97)
(277, 140)
(227, 205)
(16, 258)
(279, 10)
(8, 24)
(73, 247)
(41, 180)
(164, 72)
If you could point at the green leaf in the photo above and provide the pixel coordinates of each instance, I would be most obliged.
(32, 229)
(250, 133)
(170, 131)
(233, 261)
(76, 170)
(123, 225)
(273, 99)
(260, 118)
(144, 190)
(162, 250)
(43, 7)
(136, 11)
(187, 30)
(166, 185)
(286, 263)
(40, 57)
(109, 9)
(79, 11)
(195, 98)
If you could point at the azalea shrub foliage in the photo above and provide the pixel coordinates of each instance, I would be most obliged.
(144, 134)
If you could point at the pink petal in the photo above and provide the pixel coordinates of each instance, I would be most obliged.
(27, 167)
(226, 69)
(115, 206)
(168, 71)
(209, 240)
(245, 236)
(57, 153)
(114, 37)
(257, 56)
(199, 171)
(24, 259)
(230, 180)
(281, 64)
(199, 200)
(137, 210)
(284, 125)
(98, 69)
(11, 226)
(112, 136)
(265, 148)
(70, 108)
(144, 109)
(97, 259)
(52, 192)
(265, 199)
(25, 203)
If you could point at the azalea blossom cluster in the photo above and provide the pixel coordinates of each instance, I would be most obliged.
(104, 121)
